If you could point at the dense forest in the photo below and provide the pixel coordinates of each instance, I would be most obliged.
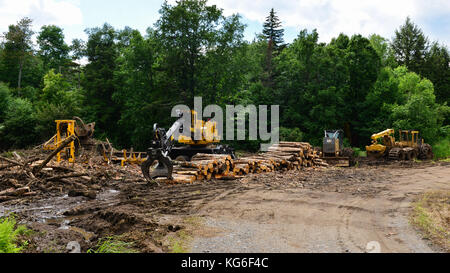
(131, 80)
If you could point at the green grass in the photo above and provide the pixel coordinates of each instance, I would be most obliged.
(431, 213)
(112, 244)
(179, 242)
(9, 232)
(357, 152)
(441, 149)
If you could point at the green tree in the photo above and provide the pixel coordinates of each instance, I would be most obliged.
(222, 69)
(364, 65)
(18, 45)
(98, 81)
(410, 46)
(420, 110)
(58, 100)
(18, 130)
(5, 100)
(140, 90)
(383, 49)
(273, 31)
(188, 31)
(78, 51)
(403, 100)
(52, 48)
(437, 69)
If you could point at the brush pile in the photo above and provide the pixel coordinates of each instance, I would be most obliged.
(40, 174)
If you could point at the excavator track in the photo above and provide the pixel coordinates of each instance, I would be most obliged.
(403, 153)
(397, 154)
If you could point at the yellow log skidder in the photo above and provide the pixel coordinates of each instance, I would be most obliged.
(409, 146)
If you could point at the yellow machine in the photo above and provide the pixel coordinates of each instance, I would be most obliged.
(64, 129)
(208, 131)
(162, 149)
(67, 128)
(377, 149)
(409, 146)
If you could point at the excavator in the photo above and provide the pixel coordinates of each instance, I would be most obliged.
(163, 149)
(409, 146)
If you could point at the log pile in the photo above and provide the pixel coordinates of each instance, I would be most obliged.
(283, 156)
(203, 167)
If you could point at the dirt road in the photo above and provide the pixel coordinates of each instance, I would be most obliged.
(314, 210)
(355, 210)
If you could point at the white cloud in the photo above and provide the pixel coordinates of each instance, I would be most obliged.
(43, 12)
(347, 16)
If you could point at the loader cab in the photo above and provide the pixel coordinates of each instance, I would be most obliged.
(207, 130)
(409, 138)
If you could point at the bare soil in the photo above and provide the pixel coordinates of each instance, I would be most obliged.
(355, 209)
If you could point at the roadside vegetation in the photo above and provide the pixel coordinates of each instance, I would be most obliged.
(113, 244)
(441, 149)
(9, 235)
(179, 243)
(431, 215)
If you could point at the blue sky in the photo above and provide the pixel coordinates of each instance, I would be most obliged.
(330, 17)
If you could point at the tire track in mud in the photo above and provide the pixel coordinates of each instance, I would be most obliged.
(373, 218)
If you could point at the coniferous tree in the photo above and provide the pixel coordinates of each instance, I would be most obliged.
(273, 31)
(410, 46)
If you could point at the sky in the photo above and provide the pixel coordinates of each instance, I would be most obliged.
(329, 17)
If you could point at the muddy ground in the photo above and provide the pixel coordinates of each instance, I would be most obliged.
(357, 209)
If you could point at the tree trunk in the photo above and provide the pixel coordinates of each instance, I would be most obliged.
(19, 81)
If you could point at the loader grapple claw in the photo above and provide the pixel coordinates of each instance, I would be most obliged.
(157, 165)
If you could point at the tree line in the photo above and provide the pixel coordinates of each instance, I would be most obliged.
(132, 80)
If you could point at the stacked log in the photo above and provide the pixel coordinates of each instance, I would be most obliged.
(203, 167)
(286, 156)
(283, 156)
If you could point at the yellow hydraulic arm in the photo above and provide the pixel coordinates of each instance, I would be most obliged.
(378, 149)
(387, 132)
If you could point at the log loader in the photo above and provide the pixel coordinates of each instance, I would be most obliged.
(162, 150)
(409, 147)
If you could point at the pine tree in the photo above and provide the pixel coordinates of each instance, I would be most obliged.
(273, 31)
(410, 46)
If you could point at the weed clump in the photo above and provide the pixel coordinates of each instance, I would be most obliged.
(9, 233)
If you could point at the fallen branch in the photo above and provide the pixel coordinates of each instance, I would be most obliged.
(14, 192)
(11, 161)
(8, 166)
(68, 140)
(58, 177)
